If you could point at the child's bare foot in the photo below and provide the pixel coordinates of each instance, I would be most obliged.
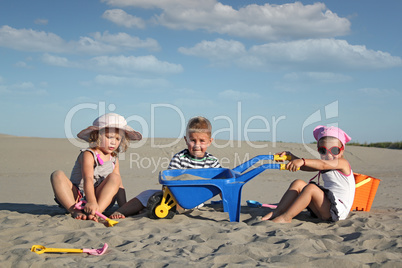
(267, 217)
(117, 215)
(93, 218)
(281, 219)
(78, 214)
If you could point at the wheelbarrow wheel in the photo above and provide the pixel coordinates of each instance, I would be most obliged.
(153, 202)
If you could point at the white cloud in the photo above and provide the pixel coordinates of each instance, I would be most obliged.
(377, 92)
(185, 91)
(39, 41)
(21, 64)
(91, 46)
(160, 4)
(130, 82)
(57, 61)
(133, 64)
(123, 65)
(194, 102)
(264, 22)
(238, 95)
(126, 41)
(120, 17)
(323, 77)
(321, 55)
(31, 40)
(41, 21)
(324, 54)
(23, 88)
(216, 50)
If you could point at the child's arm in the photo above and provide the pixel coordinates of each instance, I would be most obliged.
(297, 163)
(340, 164)
(121, 193)
(89, 189)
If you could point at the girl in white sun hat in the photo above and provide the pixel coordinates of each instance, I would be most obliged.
(96, 175)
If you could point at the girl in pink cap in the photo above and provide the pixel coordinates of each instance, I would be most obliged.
(96, 175)
(334, 199)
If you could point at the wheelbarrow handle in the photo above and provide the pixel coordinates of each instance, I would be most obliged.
(245, 177)
(277, 157)
(246, 165)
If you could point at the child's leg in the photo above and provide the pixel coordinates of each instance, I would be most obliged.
(121, 196)
(107, 190)
(66, 193)
(320, 205)
(135, 205)
(130, 208)
(295, 188)
(312, 197)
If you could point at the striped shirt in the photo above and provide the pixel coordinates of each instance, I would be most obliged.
(183, 160)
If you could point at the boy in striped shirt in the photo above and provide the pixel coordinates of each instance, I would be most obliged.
(198, 139)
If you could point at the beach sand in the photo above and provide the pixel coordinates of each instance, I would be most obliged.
(205, 237)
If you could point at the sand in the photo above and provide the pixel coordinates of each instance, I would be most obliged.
(205, 237)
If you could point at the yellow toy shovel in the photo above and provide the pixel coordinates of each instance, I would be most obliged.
(38, 249)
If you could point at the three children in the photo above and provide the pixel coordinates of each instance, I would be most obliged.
(96, 175)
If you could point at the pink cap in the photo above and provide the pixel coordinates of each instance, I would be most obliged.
(323, 131)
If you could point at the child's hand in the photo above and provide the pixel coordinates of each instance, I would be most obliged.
(285, 153)
(90, 208)
(295, 165)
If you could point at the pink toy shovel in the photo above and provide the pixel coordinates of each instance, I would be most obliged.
(38, 249)
(109, 221)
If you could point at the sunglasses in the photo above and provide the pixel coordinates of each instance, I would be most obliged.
(333, 150)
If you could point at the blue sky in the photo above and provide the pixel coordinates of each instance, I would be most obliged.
(259, 70)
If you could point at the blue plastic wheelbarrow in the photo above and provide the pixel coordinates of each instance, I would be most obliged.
(205, 184)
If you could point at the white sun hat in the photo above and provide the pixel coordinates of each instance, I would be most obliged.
(110, 120)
